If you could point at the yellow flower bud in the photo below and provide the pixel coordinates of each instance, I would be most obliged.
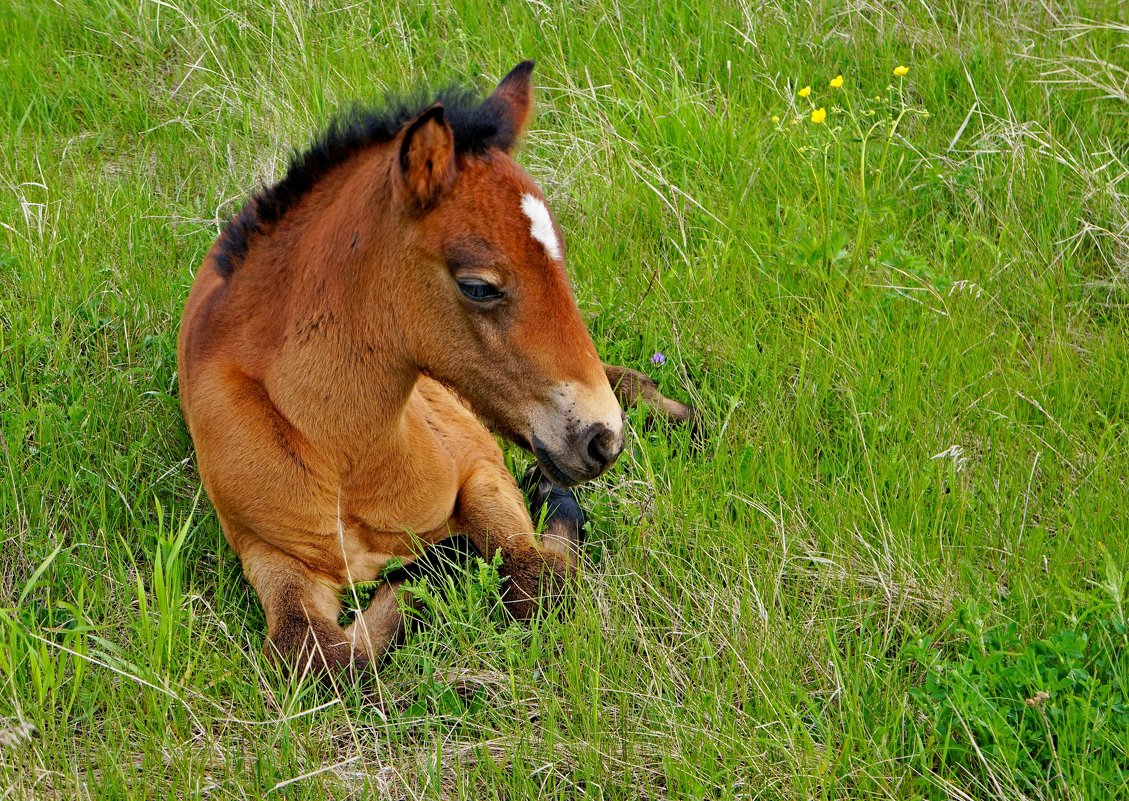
(775, 119)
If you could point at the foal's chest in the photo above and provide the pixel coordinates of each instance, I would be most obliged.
(402, 500)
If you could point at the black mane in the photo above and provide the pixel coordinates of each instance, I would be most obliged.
(477, 124)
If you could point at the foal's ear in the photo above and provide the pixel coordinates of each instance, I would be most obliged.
(427, 158)
(512, 104)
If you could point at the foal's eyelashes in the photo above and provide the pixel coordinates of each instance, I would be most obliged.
(479, 290)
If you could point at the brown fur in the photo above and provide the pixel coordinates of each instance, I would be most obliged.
(328, 382)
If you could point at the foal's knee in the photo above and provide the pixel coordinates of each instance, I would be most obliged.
(535, 580)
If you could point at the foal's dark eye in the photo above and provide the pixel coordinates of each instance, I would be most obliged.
(479, 290)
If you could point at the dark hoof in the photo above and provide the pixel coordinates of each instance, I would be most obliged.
(562, 513)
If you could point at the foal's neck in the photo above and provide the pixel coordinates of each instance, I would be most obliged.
(343, 362)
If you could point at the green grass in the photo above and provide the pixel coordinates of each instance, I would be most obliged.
(908, 517)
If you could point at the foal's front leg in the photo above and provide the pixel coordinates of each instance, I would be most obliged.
(492, 513)
(301, 608)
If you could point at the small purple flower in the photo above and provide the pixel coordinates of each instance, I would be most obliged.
(658, 359)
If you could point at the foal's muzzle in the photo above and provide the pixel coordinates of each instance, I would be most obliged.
(587, 453)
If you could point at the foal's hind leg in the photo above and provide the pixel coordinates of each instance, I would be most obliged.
(492, 513)
(634, 388)
(563, 517)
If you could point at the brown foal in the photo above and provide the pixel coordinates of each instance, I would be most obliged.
(349, 340)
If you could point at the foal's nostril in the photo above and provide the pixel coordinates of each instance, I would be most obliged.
(602, 445)
(594, 448)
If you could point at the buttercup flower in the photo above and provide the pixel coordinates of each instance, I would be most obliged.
(900, 70)
(819, 115)
(804, 92)
(775, 119)
(837, 82)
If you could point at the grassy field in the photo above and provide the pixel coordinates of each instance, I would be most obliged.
(898, 566)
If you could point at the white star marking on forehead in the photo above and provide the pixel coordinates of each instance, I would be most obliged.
(541, 224)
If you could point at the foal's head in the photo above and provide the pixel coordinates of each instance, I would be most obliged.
(487, 305)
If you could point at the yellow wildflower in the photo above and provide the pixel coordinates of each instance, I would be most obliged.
(819, 115)
(804, 92)
(775, 119)
(837, 82)
(900, 70)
